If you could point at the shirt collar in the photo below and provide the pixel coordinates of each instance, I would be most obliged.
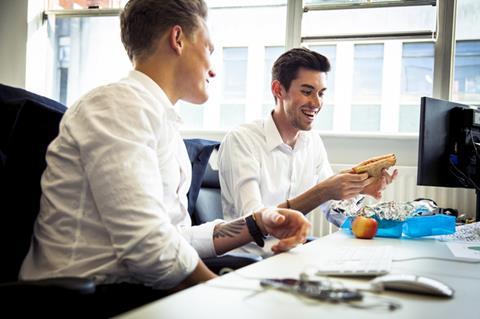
(273, 137)
(153, 88)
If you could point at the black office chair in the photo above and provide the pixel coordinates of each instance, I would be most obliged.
(28, 123)
(205, 203)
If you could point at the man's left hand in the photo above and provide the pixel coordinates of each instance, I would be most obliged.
(375, 188)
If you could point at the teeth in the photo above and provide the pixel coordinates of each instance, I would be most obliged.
(311, 113)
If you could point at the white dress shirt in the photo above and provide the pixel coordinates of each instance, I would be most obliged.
(257, 169)
(114, 205)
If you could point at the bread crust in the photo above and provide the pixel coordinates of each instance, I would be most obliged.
(374, 166)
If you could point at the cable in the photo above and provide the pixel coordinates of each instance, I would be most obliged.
(474, 145)
(463, 178)
(438, 258)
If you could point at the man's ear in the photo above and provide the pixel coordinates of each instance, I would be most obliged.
(277, 89)
(176, 39)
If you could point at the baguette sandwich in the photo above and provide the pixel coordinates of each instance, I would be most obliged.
(374, 165)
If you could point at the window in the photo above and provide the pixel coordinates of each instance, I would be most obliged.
(324, 120)
(247, 41)
(416, 81)
(89, 53)
(380, 67)
(271, 54)
(382, 58)
(466, 84)
(466, 79)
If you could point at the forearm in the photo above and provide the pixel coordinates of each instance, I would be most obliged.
(200, 274)
(231, 235)
(308, 200)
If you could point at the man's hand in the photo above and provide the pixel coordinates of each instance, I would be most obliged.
(375, 188)
(288, 225)
(345, 186)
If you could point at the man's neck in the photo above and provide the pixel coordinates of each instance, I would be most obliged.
(163, 75)
(288, 133)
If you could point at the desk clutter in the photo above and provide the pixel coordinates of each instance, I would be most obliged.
(414, 219)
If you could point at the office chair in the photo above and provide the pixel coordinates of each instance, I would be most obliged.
(28, 123)
(205, 202)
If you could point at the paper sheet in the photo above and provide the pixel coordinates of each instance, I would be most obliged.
(465, 250)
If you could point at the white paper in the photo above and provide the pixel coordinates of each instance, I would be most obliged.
(465, 250)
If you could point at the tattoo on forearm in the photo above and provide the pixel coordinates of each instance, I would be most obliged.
(229, 229)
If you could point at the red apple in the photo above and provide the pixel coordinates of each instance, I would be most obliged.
(364, 227)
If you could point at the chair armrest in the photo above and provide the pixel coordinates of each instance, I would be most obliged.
(231, 260)
(75, 285)
(310, 239)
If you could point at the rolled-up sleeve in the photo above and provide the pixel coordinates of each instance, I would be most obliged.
(201, 238)
(119, 148)
(324, 171)
(239, 171)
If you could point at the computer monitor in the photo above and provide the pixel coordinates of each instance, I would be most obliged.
(449, 145)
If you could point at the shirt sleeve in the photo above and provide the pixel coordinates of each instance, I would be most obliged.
(201, 238)
(324, 171)
(239, 173)
(118, 137)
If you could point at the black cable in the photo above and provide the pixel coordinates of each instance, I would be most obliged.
(464, 178)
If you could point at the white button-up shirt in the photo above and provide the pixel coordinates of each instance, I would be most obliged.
(257, 169)
(114, 203)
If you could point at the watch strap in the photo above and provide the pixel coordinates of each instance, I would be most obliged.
(255, 231)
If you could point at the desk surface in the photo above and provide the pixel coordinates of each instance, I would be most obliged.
(236, 296)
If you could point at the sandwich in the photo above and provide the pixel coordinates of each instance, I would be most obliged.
(374, 165)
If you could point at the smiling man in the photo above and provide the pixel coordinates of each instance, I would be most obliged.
(280, 161)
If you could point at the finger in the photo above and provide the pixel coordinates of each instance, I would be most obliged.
(395, 174)
(286, 244)
(273, 216)
(357, 177)
(369, 181)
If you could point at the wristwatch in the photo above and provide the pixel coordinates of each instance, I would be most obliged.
(255, 231)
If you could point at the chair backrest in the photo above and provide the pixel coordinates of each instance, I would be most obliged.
(28, 127)
(208, 206)
(204, 201)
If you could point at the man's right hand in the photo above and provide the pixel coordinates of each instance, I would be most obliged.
(288, 225)
(345, 186)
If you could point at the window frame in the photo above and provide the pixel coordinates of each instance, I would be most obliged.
(443, 36)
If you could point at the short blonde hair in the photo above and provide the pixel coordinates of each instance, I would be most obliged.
(142, 22)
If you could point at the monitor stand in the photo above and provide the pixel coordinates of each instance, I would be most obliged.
(477, 217)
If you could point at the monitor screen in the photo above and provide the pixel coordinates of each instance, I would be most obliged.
(449, 145)
(434, 144)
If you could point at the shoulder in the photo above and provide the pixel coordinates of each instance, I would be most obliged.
(315, 143)
(245, 133)
(119, 99)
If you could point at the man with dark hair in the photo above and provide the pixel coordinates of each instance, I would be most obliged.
(114, 205)
(280, 161)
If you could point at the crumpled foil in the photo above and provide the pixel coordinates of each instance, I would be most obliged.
(398, 211)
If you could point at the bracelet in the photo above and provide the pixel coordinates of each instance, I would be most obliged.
(254, 230)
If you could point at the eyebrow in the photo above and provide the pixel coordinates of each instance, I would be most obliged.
(311, 87)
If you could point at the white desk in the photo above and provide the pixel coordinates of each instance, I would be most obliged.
(233, 296)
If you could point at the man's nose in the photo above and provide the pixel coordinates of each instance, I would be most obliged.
(317, 101)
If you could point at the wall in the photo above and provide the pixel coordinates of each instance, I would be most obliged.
(13, 41)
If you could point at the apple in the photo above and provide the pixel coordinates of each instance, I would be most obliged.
(364, 227)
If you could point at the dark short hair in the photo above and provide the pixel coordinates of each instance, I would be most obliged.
(142, 22)
(285, 68)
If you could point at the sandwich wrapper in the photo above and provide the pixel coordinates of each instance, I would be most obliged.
(412, 219)
(402, 218)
